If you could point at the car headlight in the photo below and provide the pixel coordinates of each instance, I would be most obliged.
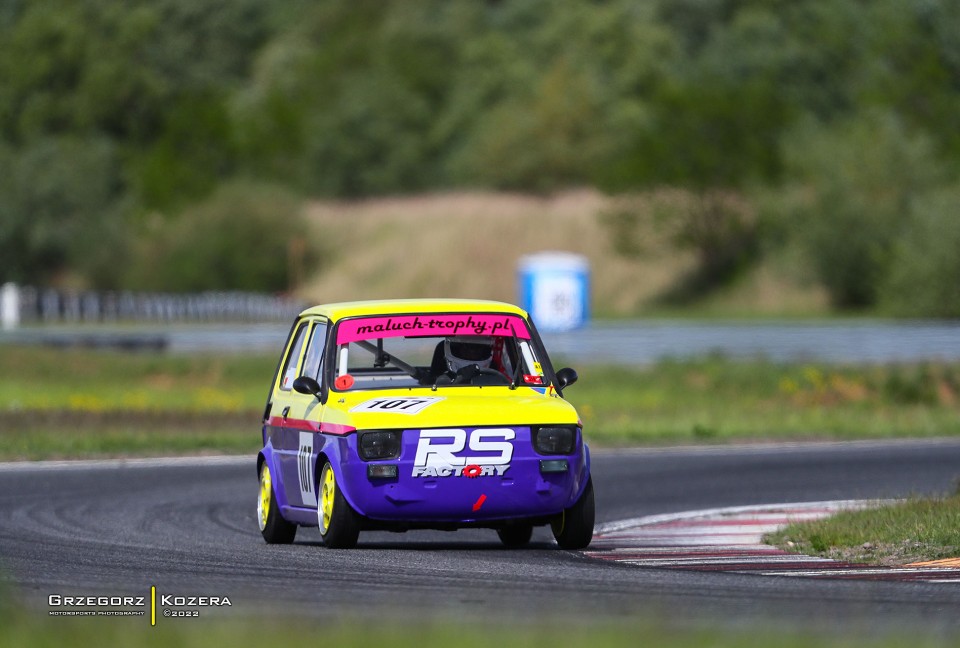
(554, 440)
(379, 444)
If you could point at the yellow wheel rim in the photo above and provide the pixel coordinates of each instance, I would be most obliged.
(263, 502)
(328, 490)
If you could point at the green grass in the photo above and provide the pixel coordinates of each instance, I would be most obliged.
(64, 403)
(33, 629)
(718, 400)
(82, 403)
(896, 534)
(100, 381)
(64, 434)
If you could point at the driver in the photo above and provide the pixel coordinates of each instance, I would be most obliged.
(461, 352)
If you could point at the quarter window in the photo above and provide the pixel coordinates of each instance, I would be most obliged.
(314, 359)
(290, 367)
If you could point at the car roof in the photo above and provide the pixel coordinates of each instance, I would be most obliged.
(342, 310)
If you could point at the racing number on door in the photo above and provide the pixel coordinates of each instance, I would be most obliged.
(305, 464)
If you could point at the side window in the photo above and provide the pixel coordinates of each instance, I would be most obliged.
(290, 366)
(314, 360)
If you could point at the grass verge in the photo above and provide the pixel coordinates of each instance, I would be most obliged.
(28, 630)
(82, 403)
(717, 400)
(897, 534)
(66, 434)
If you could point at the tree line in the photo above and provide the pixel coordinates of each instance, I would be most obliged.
(135, 133)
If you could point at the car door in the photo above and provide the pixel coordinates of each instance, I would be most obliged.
(300, 417)
(278, 409)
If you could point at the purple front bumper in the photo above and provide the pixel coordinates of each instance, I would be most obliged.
(485, 488)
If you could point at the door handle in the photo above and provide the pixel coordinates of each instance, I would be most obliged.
(286, 410)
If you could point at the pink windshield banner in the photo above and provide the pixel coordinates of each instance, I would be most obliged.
(371, 328)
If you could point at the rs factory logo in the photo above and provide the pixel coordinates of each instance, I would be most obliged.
(437, 453)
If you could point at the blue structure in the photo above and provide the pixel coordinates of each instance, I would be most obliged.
(554, 287)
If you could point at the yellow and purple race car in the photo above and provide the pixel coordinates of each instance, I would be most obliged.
(421, 414)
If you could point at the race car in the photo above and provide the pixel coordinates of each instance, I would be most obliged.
(421, 414)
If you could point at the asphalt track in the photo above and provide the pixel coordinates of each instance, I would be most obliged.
(188, 528)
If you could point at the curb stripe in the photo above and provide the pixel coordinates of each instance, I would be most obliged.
(731, 540)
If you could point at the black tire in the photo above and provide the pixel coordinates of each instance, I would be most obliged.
(273, 527)
(340, 527)
(517, 535)
(573, 529)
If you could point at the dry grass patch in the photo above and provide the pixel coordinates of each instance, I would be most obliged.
(467, 244)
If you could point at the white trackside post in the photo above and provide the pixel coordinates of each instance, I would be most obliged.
(9, 306)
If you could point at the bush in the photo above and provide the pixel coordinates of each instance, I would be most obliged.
(244, 237)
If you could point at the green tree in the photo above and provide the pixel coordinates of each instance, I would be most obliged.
(194, 151)
(350, 92)
(548, 90)
(864, 176)
(924, 278)
(61, 209)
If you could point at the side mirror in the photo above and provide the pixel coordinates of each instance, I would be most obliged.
(565, 377)
(307, 385)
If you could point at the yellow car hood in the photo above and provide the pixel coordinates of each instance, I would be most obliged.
(460, 407)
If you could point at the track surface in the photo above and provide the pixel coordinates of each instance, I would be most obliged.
(187, 528)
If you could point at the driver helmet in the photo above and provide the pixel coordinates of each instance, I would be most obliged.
(464, 351)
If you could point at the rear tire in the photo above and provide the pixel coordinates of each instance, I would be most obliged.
(515, 536)
(573, 529)
(339, 523)
(273, 527)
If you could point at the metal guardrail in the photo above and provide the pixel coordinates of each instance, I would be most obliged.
(29, 305)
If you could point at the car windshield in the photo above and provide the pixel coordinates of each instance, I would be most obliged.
(436, 350)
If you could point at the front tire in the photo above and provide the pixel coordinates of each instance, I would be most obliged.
(339, 523)
(573, 529)
(273, 527)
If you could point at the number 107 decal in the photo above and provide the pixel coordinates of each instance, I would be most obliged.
(397, 405)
